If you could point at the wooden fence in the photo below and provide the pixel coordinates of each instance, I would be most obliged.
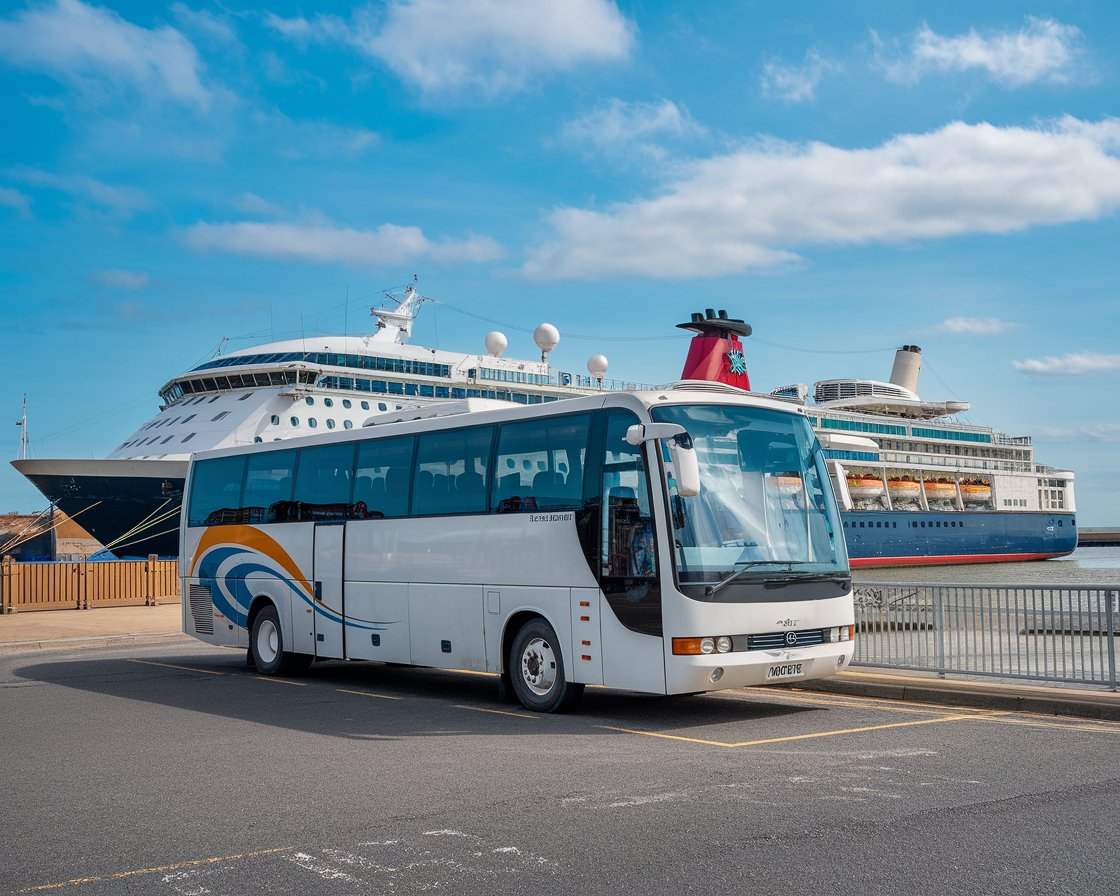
(83, 586)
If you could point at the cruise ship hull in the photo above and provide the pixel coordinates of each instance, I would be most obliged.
(901, 538)
(130, 506)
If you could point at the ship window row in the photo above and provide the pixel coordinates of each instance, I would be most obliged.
(332, 359)
(197, 385)
(512, 376)
(922, 432)
(313, 423)
(875, 525)
(526, 466)
(1014, 502)
(427, 390)
(861, 426)
(851, 455)
(136, 443)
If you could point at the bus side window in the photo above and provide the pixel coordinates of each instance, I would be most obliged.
(381, 478)
(268, 487)
(451, 471)
(216, 491)
(323, 482)
(627, 547)
(540, 465)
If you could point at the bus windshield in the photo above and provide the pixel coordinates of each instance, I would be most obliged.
(765, 510)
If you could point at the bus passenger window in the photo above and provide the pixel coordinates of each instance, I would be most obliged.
(451, 474)
(540, 465)
(215, 497)
(382, 477)
(268, 487)
(323, 481)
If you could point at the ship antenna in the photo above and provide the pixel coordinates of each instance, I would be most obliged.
(22, 424)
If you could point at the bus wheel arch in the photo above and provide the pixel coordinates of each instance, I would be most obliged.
(534, 667)
(266, 642)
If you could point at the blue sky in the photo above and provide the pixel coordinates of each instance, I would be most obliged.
(847, 177)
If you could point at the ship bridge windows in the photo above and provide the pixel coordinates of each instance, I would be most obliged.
(922, 432)
(331, 359)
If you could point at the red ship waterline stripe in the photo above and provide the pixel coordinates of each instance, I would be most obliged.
(952, 558)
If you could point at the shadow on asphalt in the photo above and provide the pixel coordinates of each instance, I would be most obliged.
(428, 702)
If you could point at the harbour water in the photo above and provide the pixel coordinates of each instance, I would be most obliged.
(1085, 566)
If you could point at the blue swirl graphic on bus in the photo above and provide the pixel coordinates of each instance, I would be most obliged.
(227, 571)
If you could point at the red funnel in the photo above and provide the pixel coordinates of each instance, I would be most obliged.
(715, 353)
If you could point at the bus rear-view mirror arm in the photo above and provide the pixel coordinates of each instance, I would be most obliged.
(681, 451)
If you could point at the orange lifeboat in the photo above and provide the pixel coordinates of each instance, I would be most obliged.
(864, 485)
(904, 488)
(976, 491)
(939, 489)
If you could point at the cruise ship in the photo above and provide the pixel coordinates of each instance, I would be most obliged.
(917, 485)
(130, 500)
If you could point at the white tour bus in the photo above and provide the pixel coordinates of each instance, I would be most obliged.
(670, 542)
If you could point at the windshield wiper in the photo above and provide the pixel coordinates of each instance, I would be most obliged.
(747, 565)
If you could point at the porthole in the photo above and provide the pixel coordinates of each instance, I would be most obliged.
(365, 405)
(347, 424)
(312, 422)
(275, 419)
(329, 402)
(330, 423)
(309, 400)
(295, 421)
(346, 403)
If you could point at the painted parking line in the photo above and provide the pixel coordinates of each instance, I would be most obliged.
(122, 875)
(501, 712)
(369, 694)
(792, 737)
(181, 668)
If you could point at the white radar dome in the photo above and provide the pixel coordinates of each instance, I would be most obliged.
(496, 343)
(597, 365)
(547, 337)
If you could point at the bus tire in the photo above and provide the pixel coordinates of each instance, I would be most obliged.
(536, 669)
(266, 645)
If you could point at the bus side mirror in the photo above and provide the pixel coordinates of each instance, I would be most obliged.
(840, 485)
(681, 452)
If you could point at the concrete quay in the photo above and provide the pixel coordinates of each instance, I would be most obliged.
(66, 630)
(1098, 538)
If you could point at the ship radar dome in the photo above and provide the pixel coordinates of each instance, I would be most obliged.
(597, 366)
(547, 337)
(496, 343)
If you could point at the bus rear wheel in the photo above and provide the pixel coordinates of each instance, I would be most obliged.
(536, 670)
(266, 646)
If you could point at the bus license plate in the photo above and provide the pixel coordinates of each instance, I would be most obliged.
(785, 670)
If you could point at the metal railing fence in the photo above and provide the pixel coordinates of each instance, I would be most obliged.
(1054, 633)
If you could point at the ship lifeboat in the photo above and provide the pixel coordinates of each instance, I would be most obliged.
(861, 486)
(904, 488)
(976, 491)
(940, 489)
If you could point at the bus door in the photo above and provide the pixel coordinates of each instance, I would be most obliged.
(326, 577)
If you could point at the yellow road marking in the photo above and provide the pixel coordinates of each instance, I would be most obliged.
(500, 712)
(298, 684)
(157, 870)
(368, 694)
(779, 740)
(173, 666)
(884, 704)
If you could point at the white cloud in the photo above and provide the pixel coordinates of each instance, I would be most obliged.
(119, 279)
(977, 326)
(1042, 50)
(16, 200)
(1094, 432)
(323, 241)
(751, 209)
(217, 30)
(123, 199)
(252, 204)
(796, 83)
(486, 46)
(86, 46)
(1070, 364)
(618, 125)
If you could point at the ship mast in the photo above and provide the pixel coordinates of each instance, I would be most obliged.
(22, 424)
(395, 324)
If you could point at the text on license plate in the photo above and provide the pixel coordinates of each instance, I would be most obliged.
(785, 670)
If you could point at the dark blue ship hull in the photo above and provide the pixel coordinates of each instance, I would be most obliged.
(902, 538)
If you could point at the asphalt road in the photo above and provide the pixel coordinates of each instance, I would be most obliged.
(174, 769)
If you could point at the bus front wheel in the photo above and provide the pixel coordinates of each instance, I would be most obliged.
(266, 645)
(537, 670)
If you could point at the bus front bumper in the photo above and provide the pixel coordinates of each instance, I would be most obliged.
(718, 671)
